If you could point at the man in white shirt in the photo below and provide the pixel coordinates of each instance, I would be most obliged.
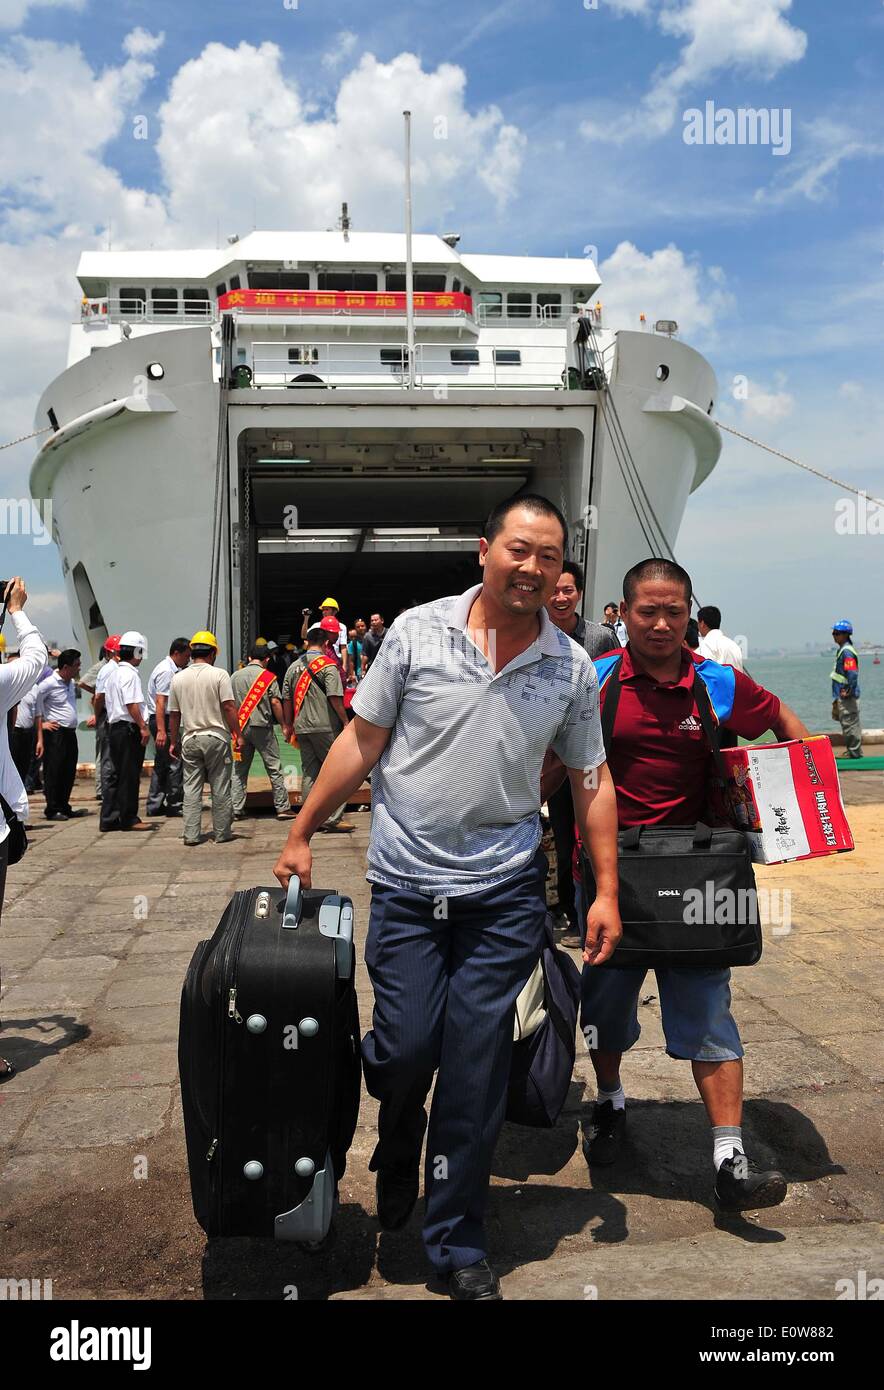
(166, 792)
(56, 718)
(713, 643)
(105, 777)
(23, 738)
(16, 679)
(128, 732)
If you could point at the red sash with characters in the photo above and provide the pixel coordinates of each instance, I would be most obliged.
(254, 697)
(317, 664)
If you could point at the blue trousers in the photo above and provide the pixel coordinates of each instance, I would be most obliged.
(446, 976)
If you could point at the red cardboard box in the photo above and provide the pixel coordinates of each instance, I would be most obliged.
(787, 798)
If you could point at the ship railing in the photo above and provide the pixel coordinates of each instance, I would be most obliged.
(117, 309)
(535, 315)
(386, 365)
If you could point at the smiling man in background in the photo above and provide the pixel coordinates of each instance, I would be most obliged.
(456, 714)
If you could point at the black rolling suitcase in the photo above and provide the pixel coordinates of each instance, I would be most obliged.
(269, 1057)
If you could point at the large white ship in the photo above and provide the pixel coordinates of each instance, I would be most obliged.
(240, 433)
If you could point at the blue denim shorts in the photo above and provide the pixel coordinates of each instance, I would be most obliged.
(695, 1006)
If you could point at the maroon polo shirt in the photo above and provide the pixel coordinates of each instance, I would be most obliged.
(660, 758)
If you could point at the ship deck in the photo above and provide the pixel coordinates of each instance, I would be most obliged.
(96, 935)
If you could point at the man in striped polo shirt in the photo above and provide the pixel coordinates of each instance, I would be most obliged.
(455, 715)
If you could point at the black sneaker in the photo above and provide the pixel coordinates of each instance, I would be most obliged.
(397, 1188)
(603, 1134)
(474, 1282)
(740, 1186)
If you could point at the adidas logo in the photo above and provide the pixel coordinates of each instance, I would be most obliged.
(690, 725)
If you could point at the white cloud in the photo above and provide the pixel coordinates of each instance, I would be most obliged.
(262, 150)
(720, 35)
(850, 390)
(345, 43)
(662, 284)
(13, 13)
(827, 144)
(70, 115)
(140, 44)
(768, 405)
(629, 7)
(48, 611)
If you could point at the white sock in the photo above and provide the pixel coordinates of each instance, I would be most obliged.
(617, 1098)
(726, 1141)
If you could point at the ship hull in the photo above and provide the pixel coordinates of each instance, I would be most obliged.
(374, 495)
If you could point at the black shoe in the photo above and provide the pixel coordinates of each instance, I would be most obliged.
(55, 815)
(72, 815)
(397, 1189)
(603, 1134)
(740, 1186)
(474, 1282)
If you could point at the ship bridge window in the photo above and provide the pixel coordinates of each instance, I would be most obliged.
(196, 302)
(279, 280)
(464, 357)
(164, 299)
(220, 289)
(423, 284)
(347, 280)
(549, 306)
(133, 300)
(518, 305)
(304, 355)
(455, 286)
(493, 303)
(234, 282)
(395, 357)
(507, 357)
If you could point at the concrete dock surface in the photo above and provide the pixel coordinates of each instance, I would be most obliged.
(97, 932)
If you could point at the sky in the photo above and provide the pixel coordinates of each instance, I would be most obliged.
(540, 127)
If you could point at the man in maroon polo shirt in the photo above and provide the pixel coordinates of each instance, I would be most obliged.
(660, 761)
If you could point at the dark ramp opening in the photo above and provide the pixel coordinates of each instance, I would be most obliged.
(362, 585)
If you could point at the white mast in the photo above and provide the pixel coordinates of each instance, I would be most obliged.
(409, 266)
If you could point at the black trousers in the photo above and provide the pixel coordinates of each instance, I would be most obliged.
(561, 816)
(21, 745)
(126, 754)
(167, 780)
(59, 768)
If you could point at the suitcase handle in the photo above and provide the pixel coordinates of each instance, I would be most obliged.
(291, 912)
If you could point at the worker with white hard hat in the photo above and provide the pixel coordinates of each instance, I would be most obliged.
(202, 727)
(127, 734)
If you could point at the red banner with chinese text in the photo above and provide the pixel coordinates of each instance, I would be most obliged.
(340, 300)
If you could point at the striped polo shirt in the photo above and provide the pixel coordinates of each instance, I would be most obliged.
(456, 792)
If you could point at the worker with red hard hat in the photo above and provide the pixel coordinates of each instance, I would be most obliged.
(329, 609)
(105, 778)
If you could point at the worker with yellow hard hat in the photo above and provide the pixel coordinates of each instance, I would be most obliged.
(203, 725)
(328, 609)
